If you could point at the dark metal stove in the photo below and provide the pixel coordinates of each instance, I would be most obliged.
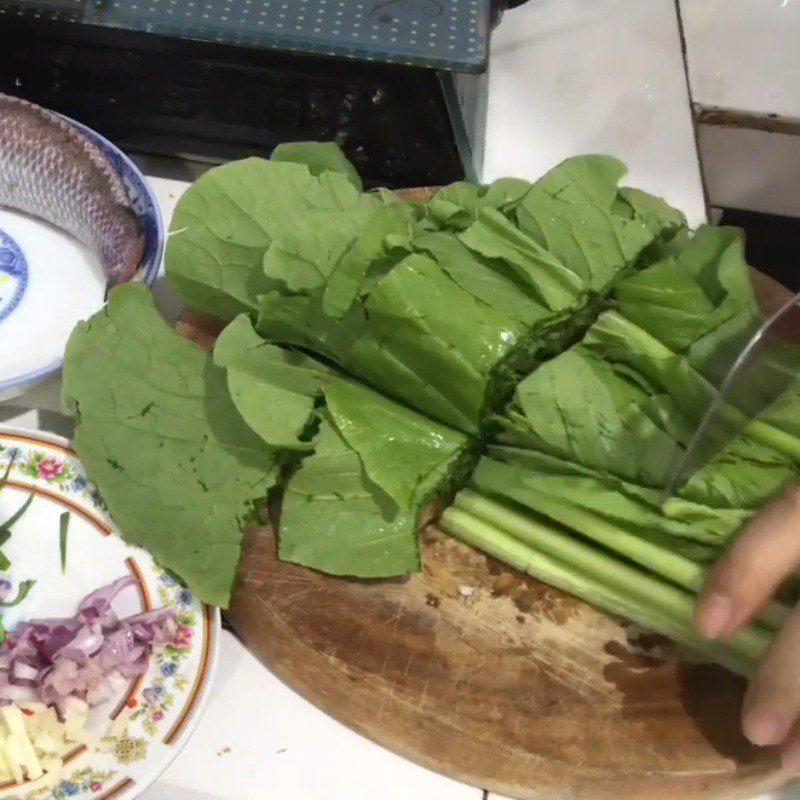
(399, 84)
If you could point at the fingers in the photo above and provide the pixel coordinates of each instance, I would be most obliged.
(772, 704)
(761, 557)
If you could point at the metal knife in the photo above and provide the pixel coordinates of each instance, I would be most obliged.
(755, 376)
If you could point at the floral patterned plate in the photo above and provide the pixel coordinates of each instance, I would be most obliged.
(147, 724)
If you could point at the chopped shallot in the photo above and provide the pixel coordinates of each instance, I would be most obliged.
(85, 658)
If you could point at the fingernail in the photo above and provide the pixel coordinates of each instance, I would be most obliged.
(764, 727)
(715, 615)
(790, 759)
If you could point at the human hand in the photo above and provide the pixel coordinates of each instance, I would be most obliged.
(763, 555)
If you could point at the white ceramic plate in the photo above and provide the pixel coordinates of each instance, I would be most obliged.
(49, 281)
(147, 735)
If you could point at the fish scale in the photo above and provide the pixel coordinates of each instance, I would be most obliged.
(49, 170)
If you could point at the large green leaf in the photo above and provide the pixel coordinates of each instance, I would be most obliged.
(367, 248)
(319, 157)
(494, 236)
(554, 487)
(666, 302)
(161, 438)
(618, 341)
(584, 180)
(308, 248)
(579, 408)
(660, 218)
(454, 352)
(355, 346)
(486, 279)
(400, 449)
(335, 519)
(699, 302)
(456, 206)
(417, 337)
(226, 220)
(274, 389)
(569, 213)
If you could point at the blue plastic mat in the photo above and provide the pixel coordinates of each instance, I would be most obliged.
(448, 35)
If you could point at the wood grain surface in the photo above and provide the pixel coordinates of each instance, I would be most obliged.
(494, 679)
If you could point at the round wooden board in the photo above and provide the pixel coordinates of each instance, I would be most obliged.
(479, 672)
(492, 678)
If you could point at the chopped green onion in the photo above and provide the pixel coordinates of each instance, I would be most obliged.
(62, 539)
(5, 528)
(4, 479)
(22, 593)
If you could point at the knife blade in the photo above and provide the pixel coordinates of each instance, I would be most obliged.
(756, 375)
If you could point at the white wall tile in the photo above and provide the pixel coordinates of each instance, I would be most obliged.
(744, 54)
(607, 76)
(751, 170)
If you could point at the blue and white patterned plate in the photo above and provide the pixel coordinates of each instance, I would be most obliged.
(49, 282)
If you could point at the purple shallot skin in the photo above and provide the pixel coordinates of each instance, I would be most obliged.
(50, 170)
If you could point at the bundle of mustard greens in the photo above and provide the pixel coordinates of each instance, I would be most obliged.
(540, 351)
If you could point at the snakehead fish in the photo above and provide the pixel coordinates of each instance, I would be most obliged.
(50, 170)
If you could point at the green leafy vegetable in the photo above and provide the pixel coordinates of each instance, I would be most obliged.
(401, 450)
(357, 347)
(319, 157)
(489, 281)
(274, 389)
(308, 248)
(698, 303)
(397, 458)
(569, 213)
(573, 330)
(224, 224)
(584, 180)
(399, 341)
(368, 247)
(457, 206)
(494, 236)
(632, 431)
(554, 556)
(667, 224)
(161, 438)
(334, 518)
(455, 353)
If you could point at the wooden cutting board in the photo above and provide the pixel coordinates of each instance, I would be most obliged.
(492, 678)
